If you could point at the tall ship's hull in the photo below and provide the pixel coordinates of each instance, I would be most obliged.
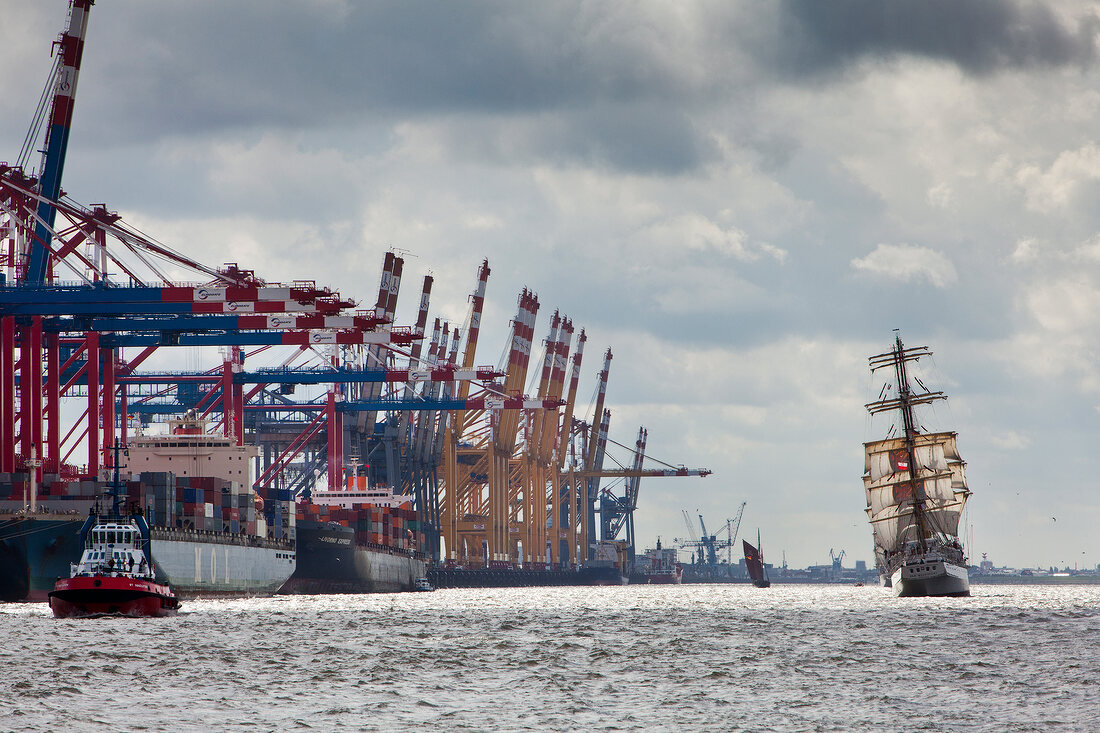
(35, 552)
(930, 577)
(329, 560)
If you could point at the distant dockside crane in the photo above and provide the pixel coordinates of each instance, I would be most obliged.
(708, 546)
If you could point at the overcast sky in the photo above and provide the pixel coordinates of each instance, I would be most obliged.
(741, 199)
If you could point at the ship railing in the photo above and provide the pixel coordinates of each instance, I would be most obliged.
(216, 537)
(414, 554)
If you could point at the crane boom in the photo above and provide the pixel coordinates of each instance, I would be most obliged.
(736, 526)
(691, 530)
(57, 138)
(737, 522)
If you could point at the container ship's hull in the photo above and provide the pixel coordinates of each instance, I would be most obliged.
(205, 564)
(519, 578)
(36, 551)
(330, 560)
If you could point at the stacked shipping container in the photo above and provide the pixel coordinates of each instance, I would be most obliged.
(201, 503)
(13, 487)
(386, 528)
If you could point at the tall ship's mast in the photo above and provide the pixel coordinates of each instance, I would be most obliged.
(916, 489)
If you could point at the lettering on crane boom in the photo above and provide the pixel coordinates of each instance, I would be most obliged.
(211, 294)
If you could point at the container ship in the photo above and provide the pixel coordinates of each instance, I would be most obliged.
(361, 539)
(209, 535)
(659, 566)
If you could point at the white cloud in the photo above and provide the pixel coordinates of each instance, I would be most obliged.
(1052, 189)
(940, 195)
(1027, 250)
(907, 262)
(1011, 440)
(1065, 305)
(1088, 252)
(696, 232)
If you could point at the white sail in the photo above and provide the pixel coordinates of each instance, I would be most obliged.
(881, 498)
(958, 478)
(946, 520)
(892, 527)
(938, 469)
(877, 461)
(896, 524)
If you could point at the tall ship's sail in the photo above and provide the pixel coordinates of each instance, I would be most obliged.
(916, 490)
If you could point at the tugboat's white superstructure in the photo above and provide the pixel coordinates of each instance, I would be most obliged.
(114, 548)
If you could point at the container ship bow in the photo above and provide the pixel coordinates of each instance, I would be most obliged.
(916, 491)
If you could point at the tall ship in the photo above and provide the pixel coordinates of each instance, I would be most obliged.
(916, 490)
(208, 534)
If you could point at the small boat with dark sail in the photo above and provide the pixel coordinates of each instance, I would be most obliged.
(114, 576)
(915, 483)
(754, 563)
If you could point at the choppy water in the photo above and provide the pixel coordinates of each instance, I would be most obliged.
(664, 658)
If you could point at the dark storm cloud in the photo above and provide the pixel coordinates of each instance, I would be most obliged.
(643, 139)
(251, 65)
(980, 36)
(302, 62)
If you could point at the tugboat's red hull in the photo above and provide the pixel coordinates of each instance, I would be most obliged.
(83, 596)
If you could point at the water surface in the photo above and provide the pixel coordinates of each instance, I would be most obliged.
(653, 658)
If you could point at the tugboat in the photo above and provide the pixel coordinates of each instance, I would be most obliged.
(114, 576)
